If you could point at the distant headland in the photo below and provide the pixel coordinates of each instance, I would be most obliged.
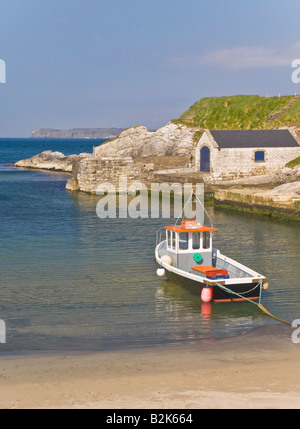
(77, 133)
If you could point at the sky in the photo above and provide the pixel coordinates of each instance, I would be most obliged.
(122, 63)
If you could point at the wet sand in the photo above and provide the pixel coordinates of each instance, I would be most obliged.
(258, 370)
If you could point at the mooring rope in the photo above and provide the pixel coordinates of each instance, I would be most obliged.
(250, 290)
(253, 302)
(271, 315)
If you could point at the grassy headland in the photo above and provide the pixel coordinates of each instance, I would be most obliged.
(242, 112)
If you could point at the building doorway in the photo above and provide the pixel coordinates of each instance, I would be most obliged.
(205, 159)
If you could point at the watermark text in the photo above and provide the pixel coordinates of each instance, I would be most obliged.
(157, 200)
(296, 73)
(2, 331)
(296, 332)
(2, 71)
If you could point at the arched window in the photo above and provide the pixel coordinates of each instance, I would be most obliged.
(205, 159)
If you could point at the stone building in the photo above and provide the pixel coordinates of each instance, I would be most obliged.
(230, 154)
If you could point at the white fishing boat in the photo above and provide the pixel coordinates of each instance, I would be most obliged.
(185, 253)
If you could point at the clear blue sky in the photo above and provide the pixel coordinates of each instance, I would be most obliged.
(120, 63)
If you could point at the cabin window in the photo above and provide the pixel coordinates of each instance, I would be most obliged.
(183, 241)
(259, 156)
(173, 240)
(196, 240)
(206, 240)
(169, 238)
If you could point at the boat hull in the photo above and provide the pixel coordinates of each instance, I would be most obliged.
(250, 290)
(240, 284)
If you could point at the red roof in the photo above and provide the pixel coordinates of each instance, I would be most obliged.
(190, 226)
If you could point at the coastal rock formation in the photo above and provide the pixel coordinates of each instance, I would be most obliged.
(170, 140)
(292, 189)
(291, 174)
(49, 160)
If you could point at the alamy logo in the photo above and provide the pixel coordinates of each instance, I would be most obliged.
(2, 331)
(296, 73)
(114, 200)
(296, 332)
(2, 71)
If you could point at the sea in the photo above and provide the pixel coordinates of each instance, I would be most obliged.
(72, 282)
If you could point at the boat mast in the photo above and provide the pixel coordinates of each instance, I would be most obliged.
(190, 201)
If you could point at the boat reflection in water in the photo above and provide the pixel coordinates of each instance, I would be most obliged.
(191, 320)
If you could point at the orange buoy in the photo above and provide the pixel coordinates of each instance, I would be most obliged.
(206, 294)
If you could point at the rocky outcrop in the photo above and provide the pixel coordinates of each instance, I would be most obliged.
(291, 174)
(170, 140)
(292, 189)
(49, 160)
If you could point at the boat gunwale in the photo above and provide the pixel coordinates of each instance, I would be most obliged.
(254, 276)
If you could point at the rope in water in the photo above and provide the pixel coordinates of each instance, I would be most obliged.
(253, 302)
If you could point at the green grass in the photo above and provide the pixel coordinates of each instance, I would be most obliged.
(291, 118)
(293, 163)
(240, 112)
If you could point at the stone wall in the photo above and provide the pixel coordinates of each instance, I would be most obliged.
(239, 162)
(286, 196)
(89, 172)
(164, 162)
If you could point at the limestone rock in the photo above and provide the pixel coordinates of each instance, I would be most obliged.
(170, 140)
(292, 189)
(292, 174)
(49, 160)
(72, 184)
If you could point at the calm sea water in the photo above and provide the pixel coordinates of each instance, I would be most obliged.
(70, 281)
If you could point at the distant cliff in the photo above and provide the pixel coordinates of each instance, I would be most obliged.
(77, 133)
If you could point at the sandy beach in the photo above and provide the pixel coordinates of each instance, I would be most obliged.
(257, 370)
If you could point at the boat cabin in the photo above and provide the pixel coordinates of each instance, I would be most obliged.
(189, 244)
(190, 248)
